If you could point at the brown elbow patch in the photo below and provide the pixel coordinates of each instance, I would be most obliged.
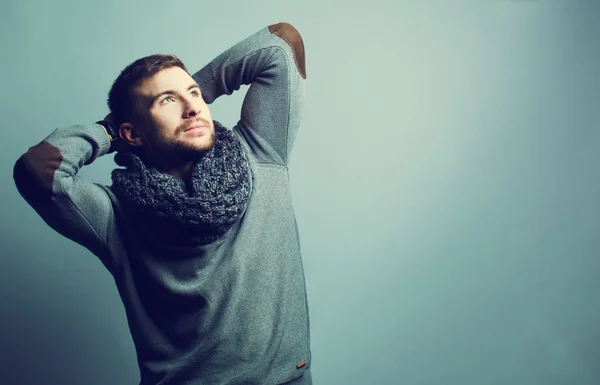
(42, 161)
(291, 35)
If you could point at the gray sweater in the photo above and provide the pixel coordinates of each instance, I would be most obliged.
(230, 312)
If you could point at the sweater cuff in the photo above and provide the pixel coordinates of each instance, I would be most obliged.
(206, 80)
(98, 132)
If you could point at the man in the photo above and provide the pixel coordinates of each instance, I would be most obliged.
(197, 228)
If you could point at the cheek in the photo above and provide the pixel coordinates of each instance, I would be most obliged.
(206, 110)
(166, 122)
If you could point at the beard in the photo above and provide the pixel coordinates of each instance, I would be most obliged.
(180, 150)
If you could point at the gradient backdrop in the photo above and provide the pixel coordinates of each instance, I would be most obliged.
(445, 179)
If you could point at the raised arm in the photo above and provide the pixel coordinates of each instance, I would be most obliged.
(46, 176)
(272, 62)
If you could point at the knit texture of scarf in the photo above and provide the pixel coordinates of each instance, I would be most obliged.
(168, 212)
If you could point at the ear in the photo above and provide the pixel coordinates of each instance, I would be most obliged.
(130, 135)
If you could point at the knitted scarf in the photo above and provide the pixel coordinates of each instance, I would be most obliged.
(168, 212)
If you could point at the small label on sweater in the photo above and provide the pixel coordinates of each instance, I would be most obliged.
(301, 364)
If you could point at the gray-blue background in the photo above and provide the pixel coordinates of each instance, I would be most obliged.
(445, 179)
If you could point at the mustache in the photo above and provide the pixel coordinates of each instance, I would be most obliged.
(184, 126)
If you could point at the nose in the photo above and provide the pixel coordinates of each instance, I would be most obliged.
(192, 108)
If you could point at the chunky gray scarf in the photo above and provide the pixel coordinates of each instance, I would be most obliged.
(168, 211)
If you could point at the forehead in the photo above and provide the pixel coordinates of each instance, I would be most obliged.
(172, 78)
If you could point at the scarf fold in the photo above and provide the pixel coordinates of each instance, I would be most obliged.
(169, 213)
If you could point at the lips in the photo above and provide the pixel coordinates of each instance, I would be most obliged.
(195, 126)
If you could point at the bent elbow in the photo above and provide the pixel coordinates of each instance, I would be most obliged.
(34, 171)
(292, 37)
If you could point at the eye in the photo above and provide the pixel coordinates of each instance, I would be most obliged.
(167, 98)
(196, 93)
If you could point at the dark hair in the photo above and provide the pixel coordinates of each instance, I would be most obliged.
(121, 97)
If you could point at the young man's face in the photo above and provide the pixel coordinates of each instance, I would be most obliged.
(175, 118)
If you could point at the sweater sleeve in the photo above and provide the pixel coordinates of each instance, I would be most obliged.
(46, 177)
(272, 62)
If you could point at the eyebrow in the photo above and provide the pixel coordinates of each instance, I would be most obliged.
(171, 92)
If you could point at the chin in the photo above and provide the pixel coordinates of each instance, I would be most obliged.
(204, 144)
(189, 146)
(192, 149)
